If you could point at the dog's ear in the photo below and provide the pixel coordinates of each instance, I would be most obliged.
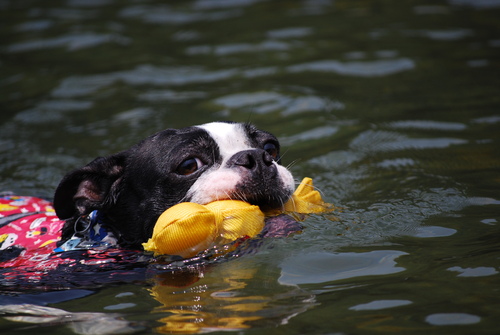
(91, 187)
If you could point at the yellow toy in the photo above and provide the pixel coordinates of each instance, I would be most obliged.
(188, 228)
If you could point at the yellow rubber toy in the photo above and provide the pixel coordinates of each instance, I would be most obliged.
(188, 228)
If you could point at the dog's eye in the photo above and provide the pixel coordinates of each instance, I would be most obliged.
(189, 166)
(272, 149)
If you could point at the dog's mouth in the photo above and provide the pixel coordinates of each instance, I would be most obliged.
(264, 197)
(267, 194)
(270, 203)
(264, 201)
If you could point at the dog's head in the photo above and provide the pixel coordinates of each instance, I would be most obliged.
(201, 164)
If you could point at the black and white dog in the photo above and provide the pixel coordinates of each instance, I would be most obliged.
(201, 164)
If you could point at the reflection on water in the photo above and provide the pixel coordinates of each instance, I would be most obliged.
(380, 304)
(225, 297)
(79, 323)
(474, 272)
(447, 319)
(363, 69)
(74, 87)
(391, 107)
(72, 42)
(323, 267)
(269, 102)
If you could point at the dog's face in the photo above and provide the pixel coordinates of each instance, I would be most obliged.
(244, 166)
(201, 164)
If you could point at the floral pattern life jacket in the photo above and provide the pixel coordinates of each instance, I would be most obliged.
(28, 223)
(30, 256)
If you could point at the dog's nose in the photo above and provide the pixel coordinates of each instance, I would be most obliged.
(251, 159)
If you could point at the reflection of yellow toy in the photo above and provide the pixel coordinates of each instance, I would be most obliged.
(188, 228)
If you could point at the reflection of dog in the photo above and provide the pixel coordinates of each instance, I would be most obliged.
(223, 298)
(199, 164)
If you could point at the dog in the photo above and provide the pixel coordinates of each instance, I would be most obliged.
(201, 164)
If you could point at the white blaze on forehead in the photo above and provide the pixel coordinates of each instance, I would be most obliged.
(230, 137)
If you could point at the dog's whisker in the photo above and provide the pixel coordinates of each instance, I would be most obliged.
(291, 164)
(228, 196)
(241, 196)
(283, 154)
(283, 204)
(184, 198)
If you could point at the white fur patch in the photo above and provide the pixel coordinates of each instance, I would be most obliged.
(214, 185)
(286, 177)
(230, 137)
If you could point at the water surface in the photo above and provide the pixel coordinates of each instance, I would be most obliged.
(391, 107)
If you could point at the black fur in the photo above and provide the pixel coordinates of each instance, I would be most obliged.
(132, 188)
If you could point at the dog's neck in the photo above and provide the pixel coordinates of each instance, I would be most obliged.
(90, 232)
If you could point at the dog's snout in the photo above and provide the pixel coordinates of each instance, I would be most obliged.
(251, 159)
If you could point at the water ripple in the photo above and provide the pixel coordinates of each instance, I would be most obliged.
(66, 13)
(292, 32)
(310, 135)
(480, 271)
(380, 304)
(229, 49)
(77, 86)
(428, 124)
(488, 119)
(268, 102)
(72, 41)
(51, 111)
(321, 267)
(443, 35)
(35, 25)
(449, 319)
(213, 4)
(89, 3)
(374, 68)
(162, 14)
(371, 141)
(478, 4)
(170, 95)
(434, 231)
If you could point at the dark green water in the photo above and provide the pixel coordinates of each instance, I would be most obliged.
(392, 107)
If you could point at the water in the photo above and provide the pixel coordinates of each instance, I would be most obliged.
(391, 107)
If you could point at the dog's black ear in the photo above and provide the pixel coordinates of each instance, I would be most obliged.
(92, 187)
